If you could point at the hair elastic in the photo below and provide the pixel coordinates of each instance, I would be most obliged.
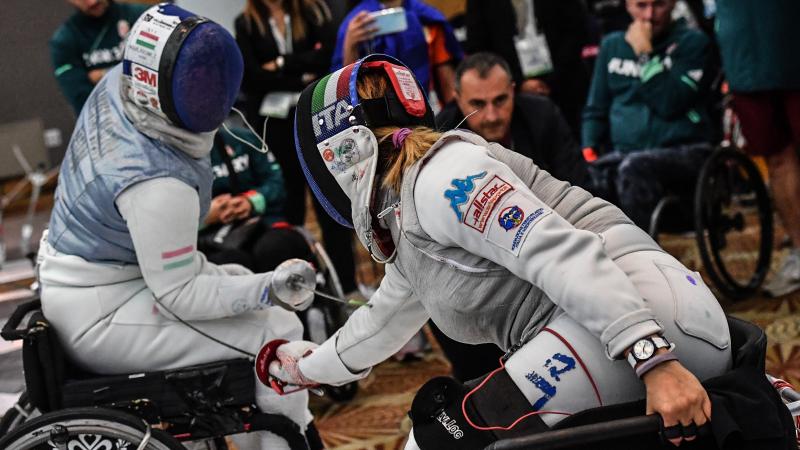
(399, 136)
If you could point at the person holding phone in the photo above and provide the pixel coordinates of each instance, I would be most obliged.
(286, 45)
(426, 43)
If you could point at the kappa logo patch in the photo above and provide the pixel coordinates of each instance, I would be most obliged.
(484, 202)
(459, 195)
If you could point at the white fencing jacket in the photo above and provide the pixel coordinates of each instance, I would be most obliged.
(491, 247)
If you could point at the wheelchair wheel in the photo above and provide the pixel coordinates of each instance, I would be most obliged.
(733, 223)
(17, 414)
(84, 428)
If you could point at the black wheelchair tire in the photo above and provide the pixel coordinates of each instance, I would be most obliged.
(708, 249)
(112, 424)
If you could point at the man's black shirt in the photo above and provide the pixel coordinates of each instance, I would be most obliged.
(538, 131)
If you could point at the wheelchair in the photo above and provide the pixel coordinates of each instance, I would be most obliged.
(64, 406)
(744, 391)
(731, 218)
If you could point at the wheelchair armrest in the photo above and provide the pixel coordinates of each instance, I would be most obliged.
(583, 434)
(10, 331)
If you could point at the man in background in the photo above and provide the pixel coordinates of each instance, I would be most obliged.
(648, 106)
(88, 44)
(542, 42)
(531, 125)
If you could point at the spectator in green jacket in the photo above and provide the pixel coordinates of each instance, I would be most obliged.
(89, 43)
(758, 43)
(647, 107)
(245, 223)
(258, 179)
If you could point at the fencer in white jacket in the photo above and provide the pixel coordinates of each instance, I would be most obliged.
(493, 249)
(120, 264)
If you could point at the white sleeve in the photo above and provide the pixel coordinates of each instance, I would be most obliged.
(467, 199)
(162, 217)
(370, 335)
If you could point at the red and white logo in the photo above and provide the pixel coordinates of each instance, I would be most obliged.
(484, 202)
(145, 76)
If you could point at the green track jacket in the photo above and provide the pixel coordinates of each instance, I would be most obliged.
(636, 105)
(759, 44)
(258, 174)
(85, 43)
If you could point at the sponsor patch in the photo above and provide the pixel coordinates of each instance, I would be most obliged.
(341, 152)
(459, 195)
(408, 86)
(484, 202)
(512, 222)
(450, 425)
(144, 82)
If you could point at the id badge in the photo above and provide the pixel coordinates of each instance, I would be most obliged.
(534, 55)
(278, 104)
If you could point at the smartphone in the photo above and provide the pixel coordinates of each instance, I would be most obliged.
(390, 20)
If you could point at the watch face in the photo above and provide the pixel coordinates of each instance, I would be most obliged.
(643, 349)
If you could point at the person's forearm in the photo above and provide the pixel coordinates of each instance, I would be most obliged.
(350, 55)
(161, 215)
(370, 335)
(667, 92)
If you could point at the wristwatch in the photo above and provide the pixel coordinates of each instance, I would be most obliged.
(645, 348)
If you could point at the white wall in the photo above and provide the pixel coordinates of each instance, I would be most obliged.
(220, 11)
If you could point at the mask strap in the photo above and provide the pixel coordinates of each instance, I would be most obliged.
(264, 148)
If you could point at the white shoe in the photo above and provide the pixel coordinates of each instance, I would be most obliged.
(787, 279)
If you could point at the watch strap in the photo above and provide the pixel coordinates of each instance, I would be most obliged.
(658, 342)
(654, 361)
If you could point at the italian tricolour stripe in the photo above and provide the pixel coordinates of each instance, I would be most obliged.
(174, 259)
(332, 88)
(147, 40)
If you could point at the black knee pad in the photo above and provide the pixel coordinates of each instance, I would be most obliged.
(439, 421)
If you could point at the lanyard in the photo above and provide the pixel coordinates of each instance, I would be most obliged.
(284, 42)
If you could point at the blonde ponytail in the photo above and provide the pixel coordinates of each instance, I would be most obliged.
(415, 145)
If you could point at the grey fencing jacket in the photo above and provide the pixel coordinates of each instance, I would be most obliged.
(492, 248)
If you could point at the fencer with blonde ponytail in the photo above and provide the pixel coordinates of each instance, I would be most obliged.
(414, 146)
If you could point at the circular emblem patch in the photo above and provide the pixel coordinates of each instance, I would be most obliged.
(511, 217)
(327, 155)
